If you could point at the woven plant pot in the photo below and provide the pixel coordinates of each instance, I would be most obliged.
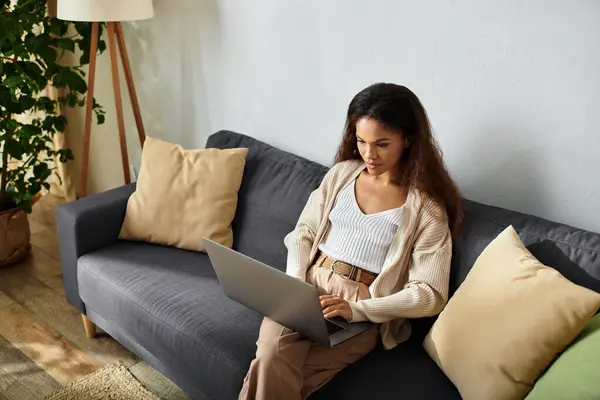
(14, 236)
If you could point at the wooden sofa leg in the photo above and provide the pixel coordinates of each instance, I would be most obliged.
(90, 328)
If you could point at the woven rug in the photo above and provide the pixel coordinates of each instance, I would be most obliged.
(109, 383)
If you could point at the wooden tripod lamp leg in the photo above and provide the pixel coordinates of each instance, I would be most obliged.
(112, 44)
(88, 111)
(130, 85)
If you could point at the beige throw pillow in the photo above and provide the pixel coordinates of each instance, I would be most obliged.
(507, 322)
(184, 195)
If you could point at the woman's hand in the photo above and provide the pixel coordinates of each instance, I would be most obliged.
(335, 306)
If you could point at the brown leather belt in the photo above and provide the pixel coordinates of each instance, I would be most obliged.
(346, 270)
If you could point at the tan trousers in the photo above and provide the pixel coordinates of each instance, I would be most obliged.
(287, 366)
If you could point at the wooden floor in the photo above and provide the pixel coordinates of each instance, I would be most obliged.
(42, 341)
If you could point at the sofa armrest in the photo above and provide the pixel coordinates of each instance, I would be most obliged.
(85, 225)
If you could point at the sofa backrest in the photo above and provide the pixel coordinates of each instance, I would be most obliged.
(574, 252)
(277, 184)
(274, 191)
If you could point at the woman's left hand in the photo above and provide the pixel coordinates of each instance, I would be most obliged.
(335, 306)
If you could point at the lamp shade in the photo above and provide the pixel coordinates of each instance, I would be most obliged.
(104, 10)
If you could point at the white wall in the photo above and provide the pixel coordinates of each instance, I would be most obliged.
(512, 87)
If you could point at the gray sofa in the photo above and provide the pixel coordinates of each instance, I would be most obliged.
(165, 304)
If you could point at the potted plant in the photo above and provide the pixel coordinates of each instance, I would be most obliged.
(32, 44)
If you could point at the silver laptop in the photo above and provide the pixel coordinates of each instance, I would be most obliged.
(278, 296)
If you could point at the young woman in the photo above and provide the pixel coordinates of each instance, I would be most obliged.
(375, 239)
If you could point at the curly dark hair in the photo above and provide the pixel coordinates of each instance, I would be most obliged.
(422, 165)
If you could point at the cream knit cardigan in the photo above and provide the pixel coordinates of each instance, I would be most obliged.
(414, 279)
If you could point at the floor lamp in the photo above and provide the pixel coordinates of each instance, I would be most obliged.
(113, 12)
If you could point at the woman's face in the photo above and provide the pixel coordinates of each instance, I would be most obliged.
(380, 148)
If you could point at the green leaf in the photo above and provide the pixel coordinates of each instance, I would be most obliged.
(13, 148)
(28, 131)
(28, 196)
(27, 102)
(10, 188)
(48, 124)
(71, 99)
(26, 206)
(55, 29)
(46, 104)
(101, 46)
(39, 42)
(12, 124)
(101, 119)
(65, 155)
(13, 81)
(72, 79)
(10, 28)
(66, 44)
(13, 107)
(40, 169)
(30, 40)
(34, 72)
(85, 58)
(5, 96)
(60, 123)
(49, 55)
(58, 27)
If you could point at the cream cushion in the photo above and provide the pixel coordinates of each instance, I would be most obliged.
(184, 195)
(507, 322)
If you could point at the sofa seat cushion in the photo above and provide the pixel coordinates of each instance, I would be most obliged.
(406, 372)
(170, 302)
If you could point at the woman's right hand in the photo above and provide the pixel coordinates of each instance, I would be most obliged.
(335, 306)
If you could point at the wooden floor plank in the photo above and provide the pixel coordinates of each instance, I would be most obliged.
(45, 268)
(6, 380)
(47, 241)
(5, 300)
(43, 210)
(53, 310)
(16, 366)
(36, 227)
(17, 391)
(60, 358)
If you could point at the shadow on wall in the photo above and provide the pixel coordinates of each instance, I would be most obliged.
(167, 61)
(503, 173)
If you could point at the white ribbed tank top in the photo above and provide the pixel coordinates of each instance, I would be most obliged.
(357, 238)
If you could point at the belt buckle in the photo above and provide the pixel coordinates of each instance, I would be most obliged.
(352, 270)
(333, 270)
